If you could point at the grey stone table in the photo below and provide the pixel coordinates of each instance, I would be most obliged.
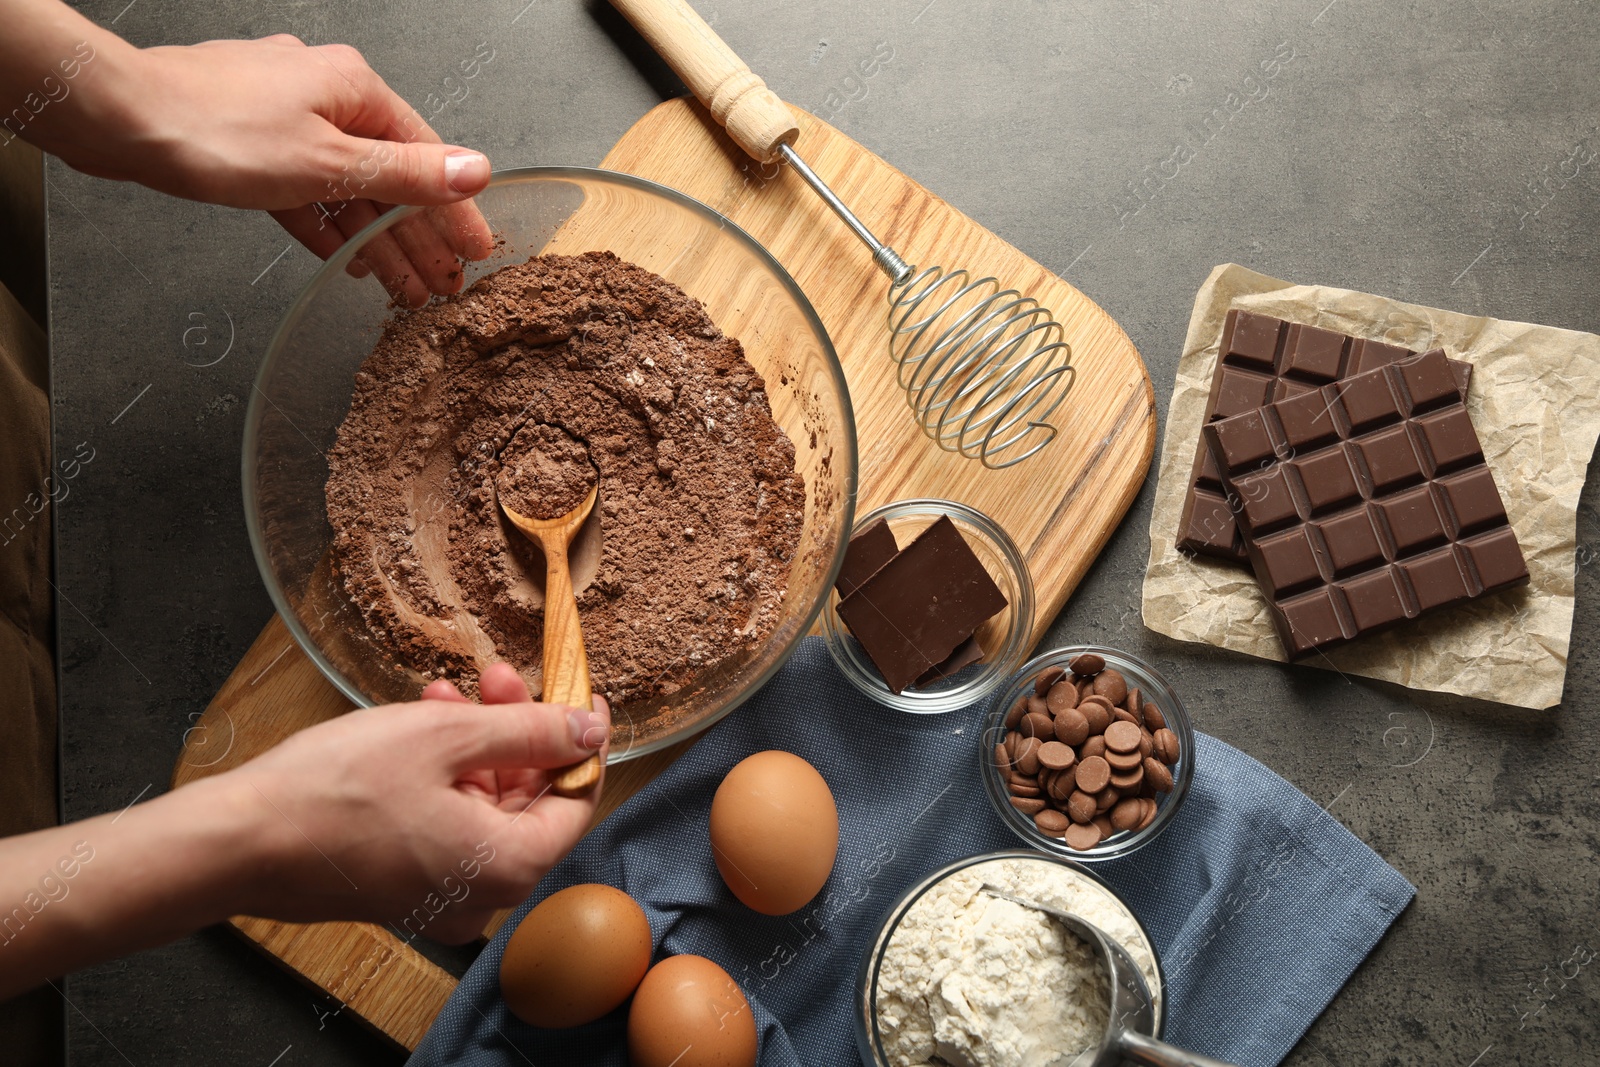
(1420, 150)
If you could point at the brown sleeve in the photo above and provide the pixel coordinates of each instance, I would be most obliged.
(27, 617)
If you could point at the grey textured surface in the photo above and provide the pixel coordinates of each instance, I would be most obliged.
(1419, 150)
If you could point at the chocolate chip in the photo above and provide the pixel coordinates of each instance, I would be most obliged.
(1167, 746)
(1129, 781)
(1153, 719)
(1080, 806)
(1122, 737)
(1127, 814)
(1088, 665)
(1082, 837)
(1103, 824)
(1106, 799)
(1123, 762)
(1056, 756)
(1063, 695)
(1093, 774)
(1037, 726)
(1124, 715)
(1071, 728)
(1135, 703)
(1002, 759)
(1027, 805)
(1157, 774)
(1149, 814)
(1028, 755)
(1097, 714)
(1018, 710)
(1109, 683)
(1051, 822)
(1147, 743)
(1045, 679)
(1017, 789)
(1037, 706)
(1094, 746)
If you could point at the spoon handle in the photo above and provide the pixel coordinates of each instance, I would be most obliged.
(1153, 1053)
(566, 664)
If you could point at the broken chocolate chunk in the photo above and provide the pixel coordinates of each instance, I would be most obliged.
(966, 654)
(866, 552)
(915, 609)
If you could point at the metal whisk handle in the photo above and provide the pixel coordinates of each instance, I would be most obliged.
(887, 259)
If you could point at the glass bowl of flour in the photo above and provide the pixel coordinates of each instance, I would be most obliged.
(958, 975)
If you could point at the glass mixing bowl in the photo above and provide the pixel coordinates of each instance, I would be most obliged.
(304, 387)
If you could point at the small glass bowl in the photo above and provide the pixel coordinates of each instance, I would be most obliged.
(1154, 689)
(1004, 637)
(869, 1042)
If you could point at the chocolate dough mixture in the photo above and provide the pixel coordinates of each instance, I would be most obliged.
(700, 509)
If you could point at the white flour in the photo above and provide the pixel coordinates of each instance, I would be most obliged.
(982, 981)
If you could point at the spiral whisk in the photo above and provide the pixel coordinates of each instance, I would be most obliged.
(983, 368)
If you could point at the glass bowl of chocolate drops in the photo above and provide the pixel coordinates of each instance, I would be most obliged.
(1087, 753)
(932, 608)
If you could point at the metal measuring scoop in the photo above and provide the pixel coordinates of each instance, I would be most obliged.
(1133, 1016)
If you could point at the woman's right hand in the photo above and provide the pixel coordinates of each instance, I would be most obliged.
(430, 815)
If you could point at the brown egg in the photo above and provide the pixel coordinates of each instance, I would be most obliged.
(576, 955)
(689, 1013)
(774, 831)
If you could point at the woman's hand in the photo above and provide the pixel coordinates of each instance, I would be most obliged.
(429, 815)
(312, 135)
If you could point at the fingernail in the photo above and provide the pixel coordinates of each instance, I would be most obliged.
(589, 728)
(466, 171)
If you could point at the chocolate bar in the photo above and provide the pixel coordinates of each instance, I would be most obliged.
(1366, 503)
(1263, 359)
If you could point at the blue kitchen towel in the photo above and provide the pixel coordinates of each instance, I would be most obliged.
(1259, 902)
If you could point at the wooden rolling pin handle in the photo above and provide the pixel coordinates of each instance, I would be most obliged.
(752, 114)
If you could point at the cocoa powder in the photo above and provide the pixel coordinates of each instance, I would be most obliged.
(699, 510)
(544, 472)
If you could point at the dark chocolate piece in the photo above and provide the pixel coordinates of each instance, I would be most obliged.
(914, 610)
(1366, 503)
(866, 552)
(1262, 360)
(966, 654)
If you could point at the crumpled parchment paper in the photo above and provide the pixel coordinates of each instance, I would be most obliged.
(1535, 402)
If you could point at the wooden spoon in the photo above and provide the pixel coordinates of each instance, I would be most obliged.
(566, 664)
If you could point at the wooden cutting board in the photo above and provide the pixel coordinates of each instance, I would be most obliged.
(1059, 507)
